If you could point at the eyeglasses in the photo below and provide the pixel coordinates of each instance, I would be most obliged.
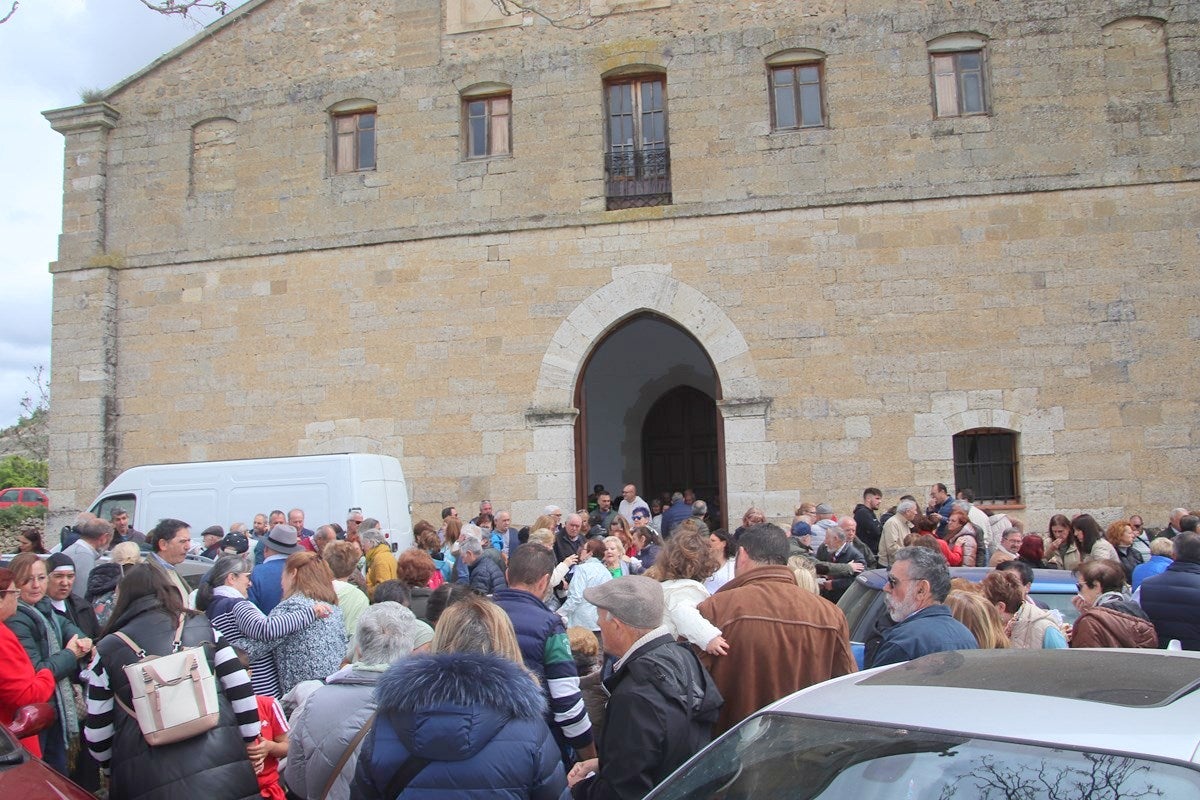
(37, 579)
(893, 581)
(1079, 587)
(636, 517)
(7, 592)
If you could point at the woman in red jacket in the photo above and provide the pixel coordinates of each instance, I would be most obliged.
(19, 684)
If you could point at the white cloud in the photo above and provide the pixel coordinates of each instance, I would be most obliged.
(50, 51)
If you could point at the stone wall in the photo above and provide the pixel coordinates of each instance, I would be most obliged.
(866, 335)
(864, 290)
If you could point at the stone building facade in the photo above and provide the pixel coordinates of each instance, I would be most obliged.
(987, 225)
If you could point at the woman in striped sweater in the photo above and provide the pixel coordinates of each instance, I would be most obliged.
(222, 597)
(210, 765)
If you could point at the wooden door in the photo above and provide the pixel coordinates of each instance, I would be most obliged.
(679, 447)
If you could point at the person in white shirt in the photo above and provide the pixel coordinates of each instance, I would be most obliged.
(630, 501)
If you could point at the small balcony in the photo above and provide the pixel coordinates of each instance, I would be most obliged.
(637, 178)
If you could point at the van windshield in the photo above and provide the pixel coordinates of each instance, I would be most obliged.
(105, 507)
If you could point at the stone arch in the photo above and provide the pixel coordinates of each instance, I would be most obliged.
(636, 290)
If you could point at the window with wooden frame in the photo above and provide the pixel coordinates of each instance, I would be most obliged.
(637, 162)
(487, 124)
(354, 141)
(797, 82)
(958, 67)
(985, 460)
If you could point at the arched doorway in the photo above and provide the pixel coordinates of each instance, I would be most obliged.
(679, 447)
(648, 365)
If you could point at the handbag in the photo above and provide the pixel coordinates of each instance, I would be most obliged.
(174, 696)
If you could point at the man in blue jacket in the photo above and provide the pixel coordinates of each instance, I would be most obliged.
(266, 581)
(916, 588)
(1172, 600)
(678, 511)
(545, 648)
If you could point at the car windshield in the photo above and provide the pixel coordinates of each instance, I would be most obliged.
(784, 756)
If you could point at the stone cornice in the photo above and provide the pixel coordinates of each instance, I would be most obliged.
(86, 117)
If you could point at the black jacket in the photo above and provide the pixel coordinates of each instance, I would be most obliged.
(841, 583)
(1172, 602)
(661, 711)
(211, 765)
(869, 527)
(79, 611)
(564, 547)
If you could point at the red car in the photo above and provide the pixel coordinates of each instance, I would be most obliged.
(26, 777)
(24, 496)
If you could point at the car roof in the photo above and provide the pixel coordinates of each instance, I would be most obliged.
(1137, 701)
(1042, 578)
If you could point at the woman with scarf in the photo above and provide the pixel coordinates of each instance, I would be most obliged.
(51, 642)
(222, 597)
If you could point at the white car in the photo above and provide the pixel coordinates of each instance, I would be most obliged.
(970, 725)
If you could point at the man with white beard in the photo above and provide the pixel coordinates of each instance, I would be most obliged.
(916, 589)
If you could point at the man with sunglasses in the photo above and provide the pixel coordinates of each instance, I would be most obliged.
(1141, 541)
(916, 589)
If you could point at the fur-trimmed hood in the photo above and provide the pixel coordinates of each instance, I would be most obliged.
(450, 705)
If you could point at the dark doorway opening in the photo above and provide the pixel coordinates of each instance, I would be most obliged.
(648, 365)
(679, 447)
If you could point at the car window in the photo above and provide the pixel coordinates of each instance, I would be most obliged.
(1060, 602)
(9, 496)
(782, 756)
(857, 600)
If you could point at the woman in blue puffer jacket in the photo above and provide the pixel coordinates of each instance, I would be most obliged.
(467, 721)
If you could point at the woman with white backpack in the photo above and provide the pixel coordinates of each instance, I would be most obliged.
(149, 620)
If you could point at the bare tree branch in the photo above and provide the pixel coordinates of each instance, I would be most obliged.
(182, 7)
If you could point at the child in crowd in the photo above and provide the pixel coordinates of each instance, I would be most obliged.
(272, 742)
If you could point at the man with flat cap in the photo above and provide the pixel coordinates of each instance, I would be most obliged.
(266, 581)
(662, 702)
(211, 538)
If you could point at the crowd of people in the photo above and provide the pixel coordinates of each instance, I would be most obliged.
(588, 654)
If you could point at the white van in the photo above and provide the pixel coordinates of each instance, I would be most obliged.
(220, 492)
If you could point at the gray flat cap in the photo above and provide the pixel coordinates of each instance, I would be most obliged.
(634, 599)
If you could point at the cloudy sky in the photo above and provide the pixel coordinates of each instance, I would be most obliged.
(50, 51)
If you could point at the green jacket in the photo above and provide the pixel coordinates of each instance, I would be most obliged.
(32, 635)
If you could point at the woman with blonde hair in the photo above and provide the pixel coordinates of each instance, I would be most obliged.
(685, 562)
(316, 651)
(805, 570)
(615, 559)
(472, 700)
(980, 617)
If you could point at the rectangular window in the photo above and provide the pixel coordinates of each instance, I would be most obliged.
(985, 460)
(637, 164)
(354, 142)
(958, 83)
(488, 124)
(796, 97)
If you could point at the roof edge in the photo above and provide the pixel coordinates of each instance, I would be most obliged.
(208, 31)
